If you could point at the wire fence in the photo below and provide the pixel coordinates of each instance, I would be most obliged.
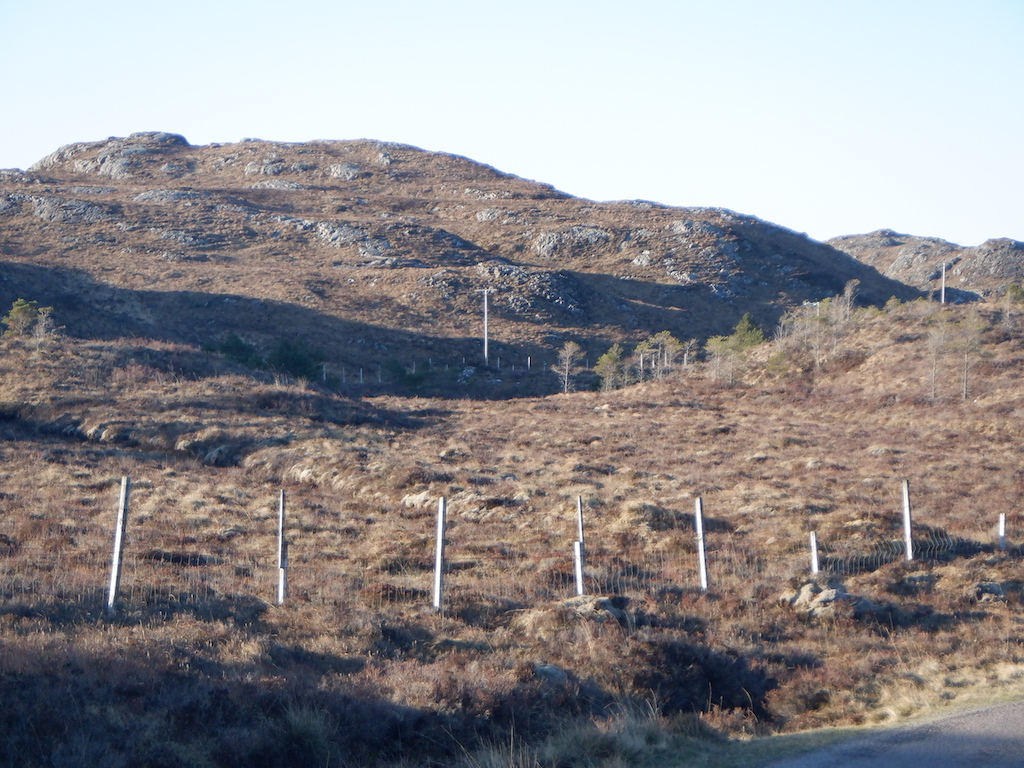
(67, 568)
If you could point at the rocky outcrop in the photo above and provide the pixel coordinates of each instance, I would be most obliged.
(530, 290)
(572, 241)
(114, 158)
(970, 272)
(57, 210)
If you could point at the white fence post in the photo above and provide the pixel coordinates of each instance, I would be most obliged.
(577, 551)
(579, 519)
(702, 559)
(814, 553)
(282, 554)
(119, 531)
(907, 524)
(442, 524)
(1002, 531)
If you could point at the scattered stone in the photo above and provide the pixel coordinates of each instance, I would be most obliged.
(821, 602)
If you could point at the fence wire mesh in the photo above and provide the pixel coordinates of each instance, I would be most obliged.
(166, 569)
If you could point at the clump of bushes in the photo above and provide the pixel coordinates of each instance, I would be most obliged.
(293, 358)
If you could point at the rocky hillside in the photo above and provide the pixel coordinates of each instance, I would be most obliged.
(376, 254)
(971, 273)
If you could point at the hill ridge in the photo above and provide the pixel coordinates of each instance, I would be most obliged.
(394, 239)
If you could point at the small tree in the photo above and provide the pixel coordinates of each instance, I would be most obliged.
(611, 369)
(966, 342)
(659, 353)
(727, 352)
(938, 340)
(746, 334)
(295, 359)
(1013, 300)
(234, 347)
(26, 317)
(568, 361)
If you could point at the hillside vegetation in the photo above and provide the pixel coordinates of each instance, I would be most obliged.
(374, 257)
(812, 430)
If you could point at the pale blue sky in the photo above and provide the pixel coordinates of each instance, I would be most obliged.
(827, 117)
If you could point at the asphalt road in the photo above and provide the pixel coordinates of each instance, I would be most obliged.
(988, 738)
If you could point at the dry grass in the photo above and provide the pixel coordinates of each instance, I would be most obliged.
(199, 668)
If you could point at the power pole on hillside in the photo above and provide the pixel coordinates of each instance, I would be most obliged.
(486, 291)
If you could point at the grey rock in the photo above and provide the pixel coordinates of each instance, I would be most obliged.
(989, 591)
(114, 158)
(691, 228)
(822, 602)
(91, 190)
(488, 214)
(67, 210)
(347, 171)
(552, 675)
(265, 167)
(338, 235)
(573, 241)
(169, 196)
(601, 609)
(524, 290)
(283, 184)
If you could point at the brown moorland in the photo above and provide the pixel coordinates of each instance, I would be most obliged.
(811, 431)
(236, 320)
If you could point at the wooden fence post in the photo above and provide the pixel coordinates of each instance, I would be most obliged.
(442, 524)
(282, 553)
(907, 523)
(814, 553)
(119, 531)
(702, 559)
